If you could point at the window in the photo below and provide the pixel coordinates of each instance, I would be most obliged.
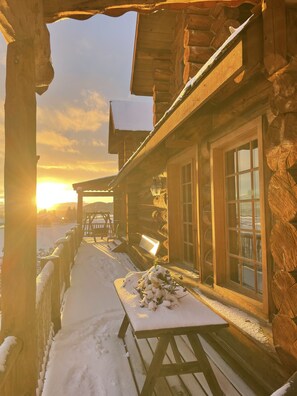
(242, 206)
(238, 214)
(182, 224)
(187, 212)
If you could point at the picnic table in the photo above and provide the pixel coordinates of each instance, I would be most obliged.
(189, 318)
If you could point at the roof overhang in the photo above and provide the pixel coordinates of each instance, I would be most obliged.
(95, 187)
(226, 64)
(153, 36)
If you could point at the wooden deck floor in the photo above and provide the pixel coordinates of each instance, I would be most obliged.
(140, 352)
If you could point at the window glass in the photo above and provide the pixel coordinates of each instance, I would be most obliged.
(246, 215)
(256, 184)
(245, 185)
(244, 157)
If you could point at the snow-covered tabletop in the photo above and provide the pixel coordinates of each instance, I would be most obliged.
(189, 315)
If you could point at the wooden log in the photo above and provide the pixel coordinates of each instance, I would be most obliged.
(19, 263)
(284, 96)
(164, 229)
(196, 21)
(197, 37)
(274, 33)
(207, 236)
(162, 75)
(193, 9)
(159, 96)
(223, 33)
(291, 32)
(281, 283)
(204, 150)
(284, 332)
(206, 215)
(190, 70)
(217, 10)
(161, 201)
(205, 172)
(162, 86)
(206, 193)
(281, 142)
(282, 196)
(283, 243)
(160, 107)
(24, 20)
(197, 54)
(162, 64)
(218, 21)
(160, 216)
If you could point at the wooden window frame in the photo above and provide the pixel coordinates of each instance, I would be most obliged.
(228, 289)
(175, 232)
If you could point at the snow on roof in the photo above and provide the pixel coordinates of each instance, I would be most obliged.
(132, 116)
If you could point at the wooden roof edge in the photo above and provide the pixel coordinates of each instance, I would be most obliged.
(134, 55)
(148, 144)
(94, 184)
(111, 132)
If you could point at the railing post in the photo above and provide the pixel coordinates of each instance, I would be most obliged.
(66, 259)
(56, 290)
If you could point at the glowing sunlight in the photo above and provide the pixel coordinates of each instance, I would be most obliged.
(50, 193)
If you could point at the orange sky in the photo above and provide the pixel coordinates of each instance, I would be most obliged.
(92, 61)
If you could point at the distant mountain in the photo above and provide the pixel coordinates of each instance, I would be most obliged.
(99, 207)
(61, 208)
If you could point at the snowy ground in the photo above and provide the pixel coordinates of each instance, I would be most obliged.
(87, 358)
(46, 236)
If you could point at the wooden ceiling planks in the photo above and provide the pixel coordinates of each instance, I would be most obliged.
(154, 36)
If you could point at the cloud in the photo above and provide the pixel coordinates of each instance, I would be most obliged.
(97, 143)
(57, 141)
(89, 115)
(90, 166)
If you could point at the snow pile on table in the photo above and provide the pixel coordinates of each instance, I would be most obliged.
(156, 287)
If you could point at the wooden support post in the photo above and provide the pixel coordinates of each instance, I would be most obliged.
(56, 303)
(19, 264)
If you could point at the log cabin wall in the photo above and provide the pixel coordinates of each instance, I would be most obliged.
(198, 33)
(149, 214)
(281, 155)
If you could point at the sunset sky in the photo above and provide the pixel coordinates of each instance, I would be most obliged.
(92, 61)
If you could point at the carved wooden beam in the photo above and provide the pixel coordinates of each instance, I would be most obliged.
(81, 9)
(24, 20)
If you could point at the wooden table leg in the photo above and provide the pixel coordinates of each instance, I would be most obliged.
(205, 365)
(175, 350)
(155, 366)
(124, 327)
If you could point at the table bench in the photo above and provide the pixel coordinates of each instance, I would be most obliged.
(190, 318)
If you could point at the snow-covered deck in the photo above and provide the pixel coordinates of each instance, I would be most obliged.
(87, 357)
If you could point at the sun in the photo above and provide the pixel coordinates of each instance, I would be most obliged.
(49, 194)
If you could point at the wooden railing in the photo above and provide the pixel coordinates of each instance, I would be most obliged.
(51, 284)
